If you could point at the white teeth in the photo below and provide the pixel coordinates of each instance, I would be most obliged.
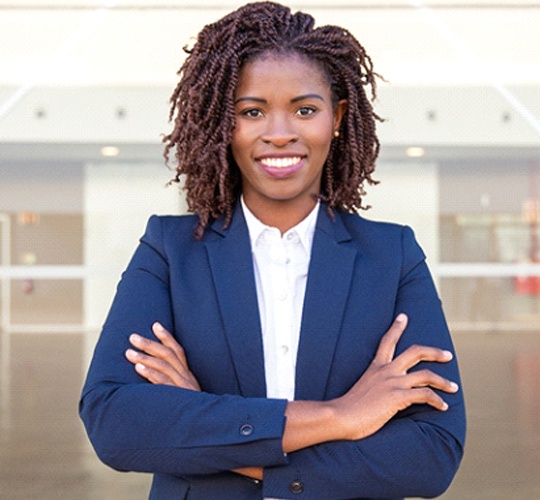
(280, 162)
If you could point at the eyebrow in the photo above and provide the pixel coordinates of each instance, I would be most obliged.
(307, 96)
(293, 100)
(254, 99)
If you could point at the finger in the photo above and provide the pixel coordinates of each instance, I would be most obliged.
(425, 395)
(418, 353)
(158, 372)
(168, 340)
(426, 378)
(157, 350)
(157, 365)
(153, 376)
(147, 345)
(387, 345)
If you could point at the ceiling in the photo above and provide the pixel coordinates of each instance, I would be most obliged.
(134, 44)
(139, 42)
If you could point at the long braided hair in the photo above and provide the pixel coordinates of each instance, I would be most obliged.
(203, 110)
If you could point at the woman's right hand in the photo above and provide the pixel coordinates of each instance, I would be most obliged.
(165, 362)
(162, 362)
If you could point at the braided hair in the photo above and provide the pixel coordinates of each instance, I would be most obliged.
(202, 106)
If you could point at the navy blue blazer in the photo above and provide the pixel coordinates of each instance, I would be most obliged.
(361, 275)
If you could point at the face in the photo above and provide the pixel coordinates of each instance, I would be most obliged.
(285, 123)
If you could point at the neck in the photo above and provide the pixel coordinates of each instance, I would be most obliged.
(281, 214)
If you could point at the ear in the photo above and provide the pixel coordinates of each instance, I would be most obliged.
(341, 107)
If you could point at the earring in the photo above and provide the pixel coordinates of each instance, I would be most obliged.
(336, 133)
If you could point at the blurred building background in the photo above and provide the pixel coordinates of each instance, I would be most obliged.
(84, 88)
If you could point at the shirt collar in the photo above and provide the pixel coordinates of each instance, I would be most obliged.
(305, 228)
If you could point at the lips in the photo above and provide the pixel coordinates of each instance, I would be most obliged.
(281, 166)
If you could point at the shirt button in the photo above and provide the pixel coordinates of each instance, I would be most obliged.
(282, 295)
(296, 487)
(293, 237)
(284, 349)
(246, 430)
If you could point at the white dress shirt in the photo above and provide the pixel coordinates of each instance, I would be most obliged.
(280, 265)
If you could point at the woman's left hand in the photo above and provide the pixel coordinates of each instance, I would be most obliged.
(162, 362)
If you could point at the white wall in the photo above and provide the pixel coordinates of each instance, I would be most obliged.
(118, 199)
(408, 194)
(463, 116)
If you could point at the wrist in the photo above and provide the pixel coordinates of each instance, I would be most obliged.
(309, 423)
(342, 426)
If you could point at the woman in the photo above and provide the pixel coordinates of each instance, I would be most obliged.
(283, 344)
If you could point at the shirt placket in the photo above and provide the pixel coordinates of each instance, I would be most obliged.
(282, 319)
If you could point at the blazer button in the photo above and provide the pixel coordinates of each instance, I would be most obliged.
(296, 487)
(246, 430)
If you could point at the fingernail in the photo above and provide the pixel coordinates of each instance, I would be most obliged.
(131, 353)
(158, 326)
(135, 338)
(140, 367)
(448, 355)
(401, 318)
(445, 406)
(454, 386)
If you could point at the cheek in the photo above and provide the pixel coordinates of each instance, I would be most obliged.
(240, 138)
(236, 144)
(321, 141)
(321, 136)
(241, 151)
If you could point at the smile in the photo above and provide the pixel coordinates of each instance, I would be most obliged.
(280, 162)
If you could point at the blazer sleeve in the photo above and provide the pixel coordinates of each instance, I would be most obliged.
(418, 452)
(137, 426)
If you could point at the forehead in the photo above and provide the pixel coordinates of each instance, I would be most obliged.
(267, 71)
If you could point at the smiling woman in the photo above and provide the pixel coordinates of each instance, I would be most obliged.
(274, 344)
(203, 105)
(286, 117)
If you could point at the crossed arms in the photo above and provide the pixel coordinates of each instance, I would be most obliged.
(390, 434)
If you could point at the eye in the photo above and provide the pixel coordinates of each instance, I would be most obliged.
(306, 110)
(251, 113)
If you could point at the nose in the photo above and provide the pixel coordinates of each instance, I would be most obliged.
(279, 131)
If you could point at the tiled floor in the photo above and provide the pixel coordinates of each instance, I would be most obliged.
(44, 453)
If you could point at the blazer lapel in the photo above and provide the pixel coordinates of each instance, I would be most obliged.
(329, 279)
(231, 264)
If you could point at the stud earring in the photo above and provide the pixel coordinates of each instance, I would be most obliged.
(336, 133)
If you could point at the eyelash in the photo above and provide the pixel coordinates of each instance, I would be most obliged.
(310, 111)
(247, 112)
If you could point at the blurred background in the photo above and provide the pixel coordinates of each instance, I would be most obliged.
(84, 88)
